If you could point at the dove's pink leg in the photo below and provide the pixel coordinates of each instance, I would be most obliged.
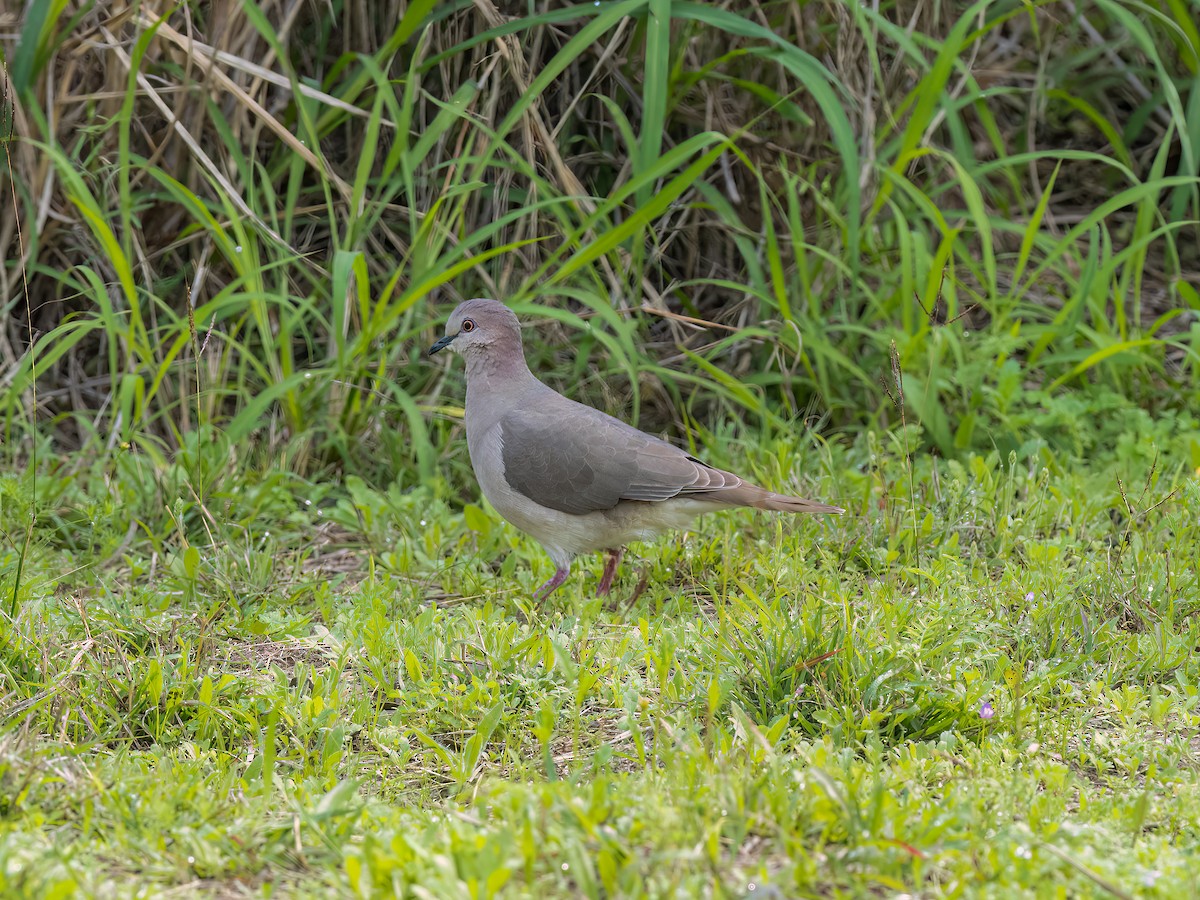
(560, 575)
(610, 570)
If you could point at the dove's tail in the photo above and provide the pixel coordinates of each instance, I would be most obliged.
(747, 494)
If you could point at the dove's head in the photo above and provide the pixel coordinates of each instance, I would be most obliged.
(481, 327)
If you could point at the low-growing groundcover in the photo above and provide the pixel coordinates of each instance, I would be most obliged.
(981, 681)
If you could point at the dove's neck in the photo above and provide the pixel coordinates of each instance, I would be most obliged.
(497, 378)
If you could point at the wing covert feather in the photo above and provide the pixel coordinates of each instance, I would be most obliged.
(577, 459)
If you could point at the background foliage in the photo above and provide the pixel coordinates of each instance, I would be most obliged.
(252, 215)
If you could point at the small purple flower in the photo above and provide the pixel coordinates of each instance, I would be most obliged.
(985, 710)
(1029, 597)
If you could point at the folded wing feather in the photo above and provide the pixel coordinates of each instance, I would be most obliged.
(576, 459)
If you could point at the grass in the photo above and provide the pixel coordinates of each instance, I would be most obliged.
(348, 697)
(935, 263)
(819, 182)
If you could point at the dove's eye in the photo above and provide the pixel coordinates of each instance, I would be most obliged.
(468, 325)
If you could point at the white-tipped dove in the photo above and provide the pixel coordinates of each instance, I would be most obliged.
(572, 477)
